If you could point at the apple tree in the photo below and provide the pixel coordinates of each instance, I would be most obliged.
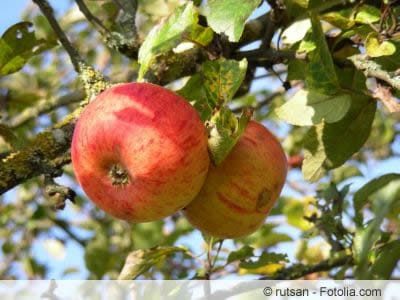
(323, 76)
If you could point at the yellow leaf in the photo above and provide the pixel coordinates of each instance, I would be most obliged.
(269, 269)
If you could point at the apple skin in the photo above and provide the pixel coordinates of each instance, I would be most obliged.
(139, 151)
(239, 193)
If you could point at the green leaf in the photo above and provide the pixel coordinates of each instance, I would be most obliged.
(265, 237)
(386, 260)
(229, 16)
(296, 70)
(147, 235)
(97, 256)
(361, 197)
(341, 19)
(17, 45)
(375, 48)
(243, 253)
(265, 259)
(140, 261)
(368, 14)
(179, 27)
(320, 72)
(390, 63)
(345, 172)
(194, 92)
(366, 237)
(214, 85)
(224, 131)
(308, 108)
(8, 135)
(295, 211)
(327, 146)
(302, 3)
(222, 79)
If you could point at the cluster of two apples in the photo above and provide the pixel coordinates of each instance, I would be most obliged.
(139, 151)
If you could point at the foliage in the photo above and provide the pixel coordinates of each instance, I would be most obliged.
(323, 75)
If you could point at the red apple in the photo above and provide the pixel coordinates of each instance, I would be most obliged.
(139, 151)
(239, 193)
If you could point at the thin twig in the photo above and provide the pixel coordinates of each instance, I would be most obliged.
(48, 11)
(384, 94)
(269, 56)
(209, 258)
(217, 253)
(44, 107)
(260, 104)
(91, 18)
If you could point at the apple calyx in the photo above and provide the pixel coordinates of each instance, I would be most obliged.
(118, 175)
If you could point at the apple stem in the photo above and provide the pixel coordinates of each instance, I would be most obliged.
(118, 175)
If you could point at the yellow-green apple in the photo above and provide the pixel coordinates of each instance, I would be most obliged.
(239, 193)
(139, 151)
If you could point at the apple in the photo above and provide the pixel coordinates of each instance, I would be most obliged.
(139, 151)
(239, 193)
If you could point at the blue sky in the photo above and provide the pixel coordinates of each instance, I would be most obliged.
(10, 13)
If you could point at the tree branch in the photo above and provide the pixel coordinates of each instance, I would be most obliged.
(91, 18)
(45, 154)
(373, 69)
(126, 45)
(43, 107)
(92, 80)
(299, 270)
(47, 10)
(269, 56)
(260, 104)
(384, 94)
(294, 272)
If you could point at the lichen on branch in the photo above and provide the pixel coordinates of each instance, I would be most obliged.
(47, 153)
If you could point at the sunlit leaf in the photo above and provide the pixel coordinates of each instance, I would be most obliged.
(266, 258)
(345, 172)
(376, 48)
(308, 108)
(140, 261)
(243, 253)
(17, 45)
(222, 79)
(361, 197)
(181, 26)
(328, 146)
(296, 31)
(296, 210)
(367, 14)
(386, 261)
(229, 16)
(224, 131)
(320, 71)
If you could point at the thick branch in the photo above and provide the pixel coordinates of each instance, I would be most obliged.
(45, 154)
(373, 69)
